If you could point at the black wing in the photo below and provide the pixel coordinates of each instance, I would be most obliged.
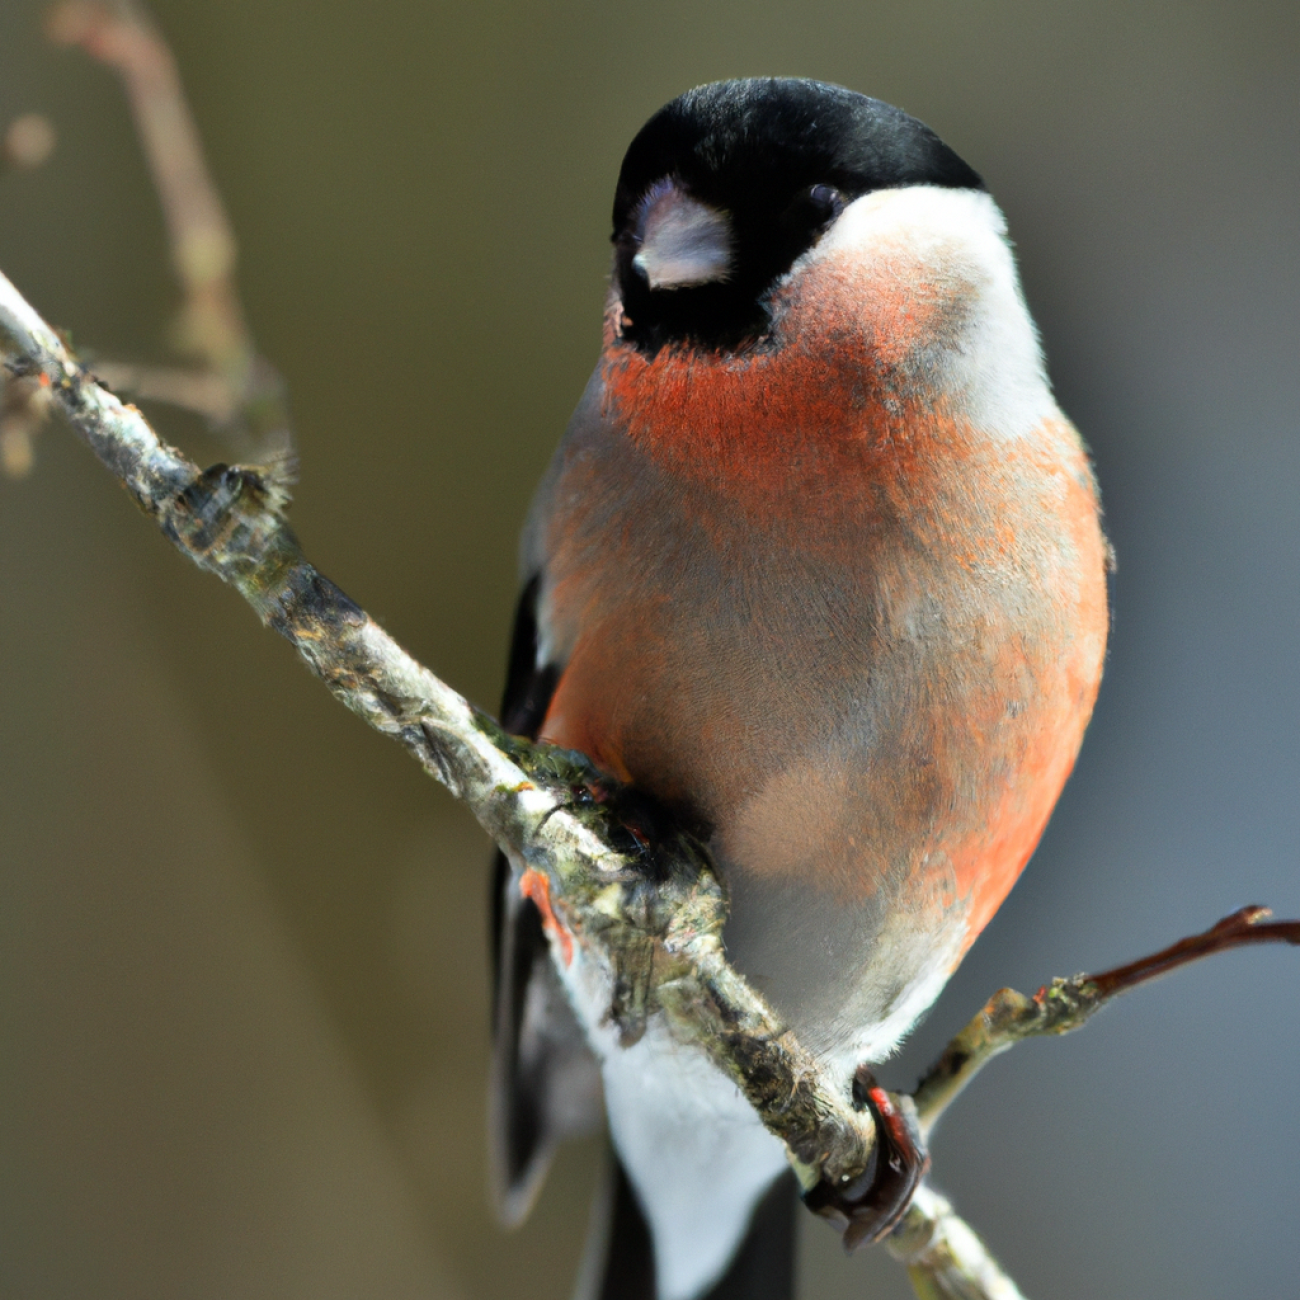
(545, 1083)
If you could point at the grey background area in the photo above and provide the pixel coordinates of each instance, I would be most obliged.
(243, 942)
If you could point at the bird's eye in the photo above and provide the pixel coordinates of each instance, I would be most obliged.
(827, 202)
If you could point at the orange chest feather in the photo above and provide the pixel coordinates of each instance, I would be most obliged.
(818, 549)
(844, 383)
(751, 421)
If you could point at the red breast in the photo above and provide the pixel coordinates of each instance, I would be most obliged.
(806, 597)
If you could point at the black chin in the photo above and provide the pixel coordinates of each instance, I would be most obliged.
(731, 314)
(725, 317)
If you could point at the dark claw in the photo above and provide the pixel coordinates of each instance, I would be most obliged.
(869, 1207)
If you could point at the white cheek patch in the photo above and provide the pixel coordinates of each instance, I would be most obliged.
(683, 242)
(990, 366)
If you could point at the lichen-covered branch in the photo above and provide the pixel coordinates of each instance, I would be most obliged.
(945, 1260)
(229, 520)
(660, 938)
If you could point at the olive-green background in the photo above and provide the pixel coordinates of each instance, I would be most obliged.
(242, 940)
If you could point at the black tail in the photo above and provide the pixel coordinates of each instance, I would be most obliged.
(624, 1266)
(545, 1081)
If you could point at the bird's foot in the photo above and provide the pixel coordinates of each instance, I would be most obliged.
(870, 1206)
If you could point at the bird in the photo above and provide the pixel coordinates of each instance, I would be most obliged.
(818, 569)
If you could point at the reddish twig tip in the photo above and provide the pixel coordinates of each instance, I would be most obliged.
(1248, 925)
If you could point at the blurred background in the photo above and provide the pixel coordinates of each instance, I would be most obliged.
(243, 1023)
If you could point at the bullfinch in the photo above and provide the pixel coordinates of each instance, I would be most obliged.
(818, 569)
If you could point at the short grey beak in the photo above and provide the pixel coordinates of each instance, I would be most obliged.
(683, 242)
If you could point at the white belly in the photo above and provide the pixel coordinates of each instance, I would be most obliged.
(693, 1147)
(695, 1151)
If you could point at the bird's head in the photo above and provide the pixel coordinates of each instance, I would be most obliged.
(725, 188)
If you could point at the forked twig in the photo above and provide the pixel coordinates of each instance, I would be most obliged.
(944, 1258)
(236, 389)
(1067, 1004)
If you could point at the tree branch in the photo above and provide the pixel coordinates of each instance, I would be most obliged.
(657, 935)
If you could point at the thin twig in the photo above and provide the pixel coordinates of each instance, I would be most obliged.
(211, 325)
(1246, 926)
(1067, 1004)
